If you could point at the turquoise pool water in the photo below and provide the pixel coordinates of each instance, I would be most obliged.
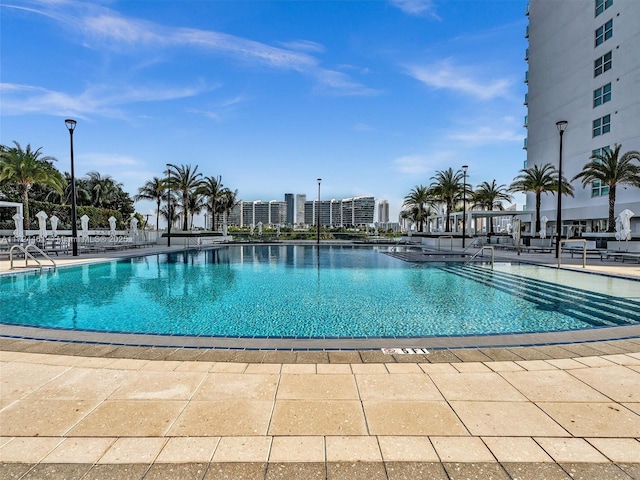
(292, 291)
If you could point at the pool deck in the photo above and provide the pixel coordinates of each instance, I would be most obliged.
(568, 409)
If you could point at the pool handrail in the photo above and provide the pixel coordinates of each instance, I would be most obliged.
(574, 240)
(470, 245)
(479, 252)
(450, 237)
(27, 256)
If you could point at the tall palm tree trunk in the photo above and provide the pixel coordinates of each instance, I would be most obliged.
(612, 202)
(26, 224)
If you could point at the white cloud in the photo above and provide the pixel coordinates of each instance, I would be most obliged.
(444, 75)
(421, 164)
(304, 46)
(421, 8)
(487, 135)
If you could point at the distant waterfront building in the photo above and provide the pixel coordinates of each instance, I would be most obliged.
(383, 211)
(583, 63)
(251, 213)
(289, 199)
(349, 212)
(301, 199)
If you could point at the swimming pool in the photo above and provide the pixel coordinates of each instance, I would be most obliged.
(303, 292)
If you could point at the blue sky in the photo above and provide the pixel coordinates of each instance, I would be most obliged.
(373, 96)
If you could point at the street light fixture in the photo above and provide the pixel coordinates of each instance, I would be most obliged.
(464, 203)
(318, 212)
(71, 125)
(562, 126)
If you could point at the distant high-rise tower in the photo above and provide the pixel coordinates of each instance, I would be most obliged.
(291, 208)
(383, 211)
(301, 199)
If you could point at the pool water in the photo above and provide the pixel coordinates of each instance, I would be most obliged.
(300, 291)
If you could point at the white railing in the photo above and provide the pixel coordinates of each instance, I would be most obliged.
(27, 256)
(584, 250)
(479, 252)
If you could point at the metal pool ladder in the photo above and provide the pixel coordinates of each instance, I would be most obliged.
(480, 252)
(27, 256)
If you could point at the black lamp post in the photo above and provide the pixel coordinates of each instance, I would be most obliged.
(318, 213)
(71, 125)
(562, 126)
(464, 202)
(169, 206)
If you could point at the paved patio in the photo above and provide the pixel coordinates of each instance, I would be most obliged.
(82, 411)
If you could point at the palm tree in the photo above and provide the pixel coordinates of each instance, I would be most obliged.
(25, 168)
(228, 202)
(539, 180)
(185, 180)
(490, 196)
(212, 189)
(155, 189)
(196, 205)
(612, 169)
(103, 189)
(447, 187)
(419, 202)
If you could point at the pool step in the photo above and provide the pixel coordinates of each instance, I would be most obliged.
(586, 306)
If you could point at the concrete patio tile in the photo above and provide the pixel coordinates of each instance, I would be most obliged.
(81, 384)
(476, 386)
(353, 449)
(123, 471)
(28, 449)
(129, 418)
(355, 471)
(479, 470)
(223, 417)
(565, 363)
(516, 449)
(66, 471)
(318, 417)
(594, 361)
(297, 449)
(403, 368)
(415, 470)
(504, 366)
(368, 368)
(617, 382)
(619, 450)
(182, 471)
(599, 471)
(153, 385)
(462, 449)
(471, 367)
(296, 471)
(437, 368)
(264, 368)
(535, 365)
(161, 365)
(133, 450)
(18, 379)
(552, 385)
(594, 419)
(298, 368)
(536, 471)
(631, 469)
(512, 419)
(317, 387)
(43, 417)
(622, 359)
(634, 407)
(79, 450)
(397, 387)
(570, 450)
(95, 362)
(193, 366)
(407, 449)
(334, 369)
(128, 364)
(236, 471)
(188, 450)
(230, 367)
(223, 386)
(412, 418)
(242, 449)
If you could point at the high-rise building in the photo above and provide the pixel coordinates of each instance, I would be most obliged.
(583, 68)
(289, 199)
(301, 199)
(349, 212)
(383, 211)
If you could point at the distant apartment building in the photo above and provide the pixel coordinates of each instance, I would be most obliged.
(349, 212)
(383, 211)
(583, 68)
(301, 199)
(252, 213)
(289, 199)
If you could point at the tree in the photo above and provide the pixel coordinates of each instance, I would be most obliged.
(24, 168)
(612, 169)
(489, 196)
(419, 202)
(447, 187)
(155, 190)
(539, 180)
(228, 202)
(103, 189)
(185, 180)
(212, 188)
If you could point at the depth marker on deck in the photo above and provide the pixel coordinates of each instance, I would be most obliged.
(405, 351)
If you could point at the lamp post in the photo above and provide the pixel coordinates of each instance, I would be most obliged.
(318, 213)
(464, 202)
(71, 125)
(169, 206)
(562, 126)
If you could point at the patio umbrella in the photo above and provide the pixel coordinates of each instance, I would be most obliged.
(54, 225)
(623, 225)
(134, 227)
(259, 228)
(543, 227)
(112, 226)
(42, 224)
(18, 232)
(224, 227)
(84, 221)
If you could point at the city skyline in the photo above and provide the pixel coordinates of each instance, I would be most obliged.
(267, 95)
